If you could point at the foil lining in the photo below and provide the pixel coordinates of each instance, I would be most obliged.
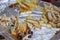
(38, 34)
(5, 3)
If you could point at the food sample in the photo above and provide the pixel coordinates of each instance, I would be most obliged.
(20, 30)
(17, 28)
(33, 21)
(51, 15)
(24, 5)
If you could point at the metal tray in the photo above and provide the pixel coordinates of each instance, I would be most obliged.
(43, 34)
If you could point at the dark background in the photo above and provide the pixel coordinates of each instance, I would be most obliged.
(55, 2)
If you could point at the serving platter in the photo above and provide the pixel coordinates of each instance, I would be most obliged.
(38, 34)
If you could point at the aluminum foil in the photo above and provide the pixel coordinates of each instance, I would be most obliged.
(5, 3)
(38, 34)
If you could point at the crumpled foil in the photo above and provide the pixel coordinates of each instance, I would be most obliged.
(38, 34)
(5, 3)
